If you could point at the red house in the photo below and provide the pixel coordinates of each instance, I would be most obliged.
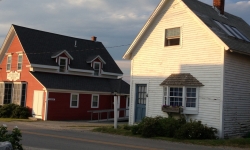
(58, 77)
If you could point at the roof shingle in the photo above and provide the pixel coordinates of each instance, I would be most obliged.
(181, 79)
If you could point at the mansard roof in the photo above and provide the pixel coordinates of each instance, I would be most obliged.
(40, 46)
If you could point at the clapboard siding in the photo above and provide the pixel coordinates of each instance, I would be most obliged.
(198, 54)
(236, 93)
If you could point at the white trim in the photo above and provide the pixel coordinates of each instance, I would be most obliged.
(19, 54)
(80, 70)
(110, 73)
(99, 57)
(67, 54)
(99, 73)
(43, 66)
(7, 42)
(76, 100)
(93, 99)
(66, 64)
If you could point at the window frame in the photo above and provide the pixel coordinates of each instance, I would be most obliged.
(92, 99)
(11, 92)
(8, 63)
(173, 37)
(66, 64)
(187, 110)
(99, 70)
(76, 100)
(19, 62)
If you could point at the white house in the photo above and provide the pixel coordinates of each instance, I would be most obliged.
(193, 55)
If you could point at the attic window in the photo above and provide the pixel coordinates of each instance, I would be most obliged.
(231, 31)
(172, 36)
(97, 66)
(62, 64)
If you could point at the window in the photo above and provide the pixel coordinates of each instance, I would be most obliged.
(175, 96)
(178, 96)
(8, 67)
(191, 97)
(19, 62)
(172, 36)
(97, 66)
(7, 93)
(95, 101)
(74, 100)
(62, 64)
(13, 93)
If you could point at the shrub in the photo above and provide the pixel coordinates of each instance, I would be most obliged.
(6, 110)
(195, 130)
(14, 138)
(14, 111)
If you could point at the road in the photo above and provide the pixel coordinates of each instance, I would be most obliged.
(63, 136)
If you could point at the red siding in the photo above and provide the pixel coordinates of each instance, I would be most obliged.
(25, 76)
(60, 108)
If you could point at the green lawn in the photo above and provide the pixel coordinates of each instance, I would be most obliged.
(12, 119)
(239, 142)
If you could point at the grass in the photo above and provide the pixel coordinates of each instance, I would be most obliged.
(239, 142)
(13, 119)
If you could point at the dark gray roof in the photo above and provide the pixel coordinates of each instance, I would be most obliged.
(181, 79)
(40, 46)
(207, 14)
(81, 83)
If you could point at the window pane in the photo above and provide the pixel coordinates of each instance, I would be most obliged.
(20, 58)
(62, 62)
(174, 32)
(73, 103)
(97, 66)
(74, 97)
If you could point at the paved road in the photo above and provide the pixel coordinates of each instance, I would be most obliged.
(68, 136)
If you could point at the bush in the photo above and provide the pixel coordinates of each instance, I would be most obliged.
(158, 126)
(195, 130)
(14, 138)
(14, 111)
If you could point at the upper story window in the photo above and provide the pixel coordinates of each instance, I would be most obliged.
(172, 36)
(8, 65)
(19, 62)
(62, 64)
(97, 68)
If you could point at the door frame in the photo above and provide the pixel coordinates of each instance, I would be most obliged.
(134, 97)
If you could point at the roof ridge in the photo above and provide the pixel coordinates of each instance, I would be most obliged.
(50, 32)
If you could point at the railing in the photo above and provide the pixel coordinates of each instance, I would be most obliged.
(99, 112)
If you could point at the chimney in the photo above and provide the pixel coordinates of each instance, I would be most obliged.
(93, 38)
(220, 4)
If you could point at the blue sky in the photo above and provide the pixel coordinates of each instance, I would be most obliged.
(114, 22)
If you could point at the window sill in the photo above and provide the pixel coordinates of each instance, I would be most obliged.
(94, 107)
(191, 112)
(74, 107)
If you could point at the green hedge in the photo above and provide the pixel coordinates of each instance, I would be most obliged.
(14, 111)
(170, 127)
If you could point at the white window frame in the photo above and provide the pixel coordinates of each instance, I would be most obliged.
(8, 63)
(99, 73)
(66, 63)
(19, 62)
(72, 100)
(92, 99)
(187, 110)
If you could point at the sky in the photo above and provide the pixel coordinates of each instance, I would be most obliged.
(114, 22)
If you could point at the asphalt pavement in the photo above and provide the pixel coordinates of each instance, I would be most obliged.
(76, 135)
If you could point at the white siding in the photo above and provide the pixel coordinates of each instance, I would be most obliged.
(198, 54)
(236, 93)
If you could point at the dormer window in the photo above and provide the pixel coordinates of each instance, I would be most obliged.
(97, 68)
(63, 64)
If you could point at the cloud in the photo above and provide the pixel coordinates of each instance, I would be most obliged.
(125, 66)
